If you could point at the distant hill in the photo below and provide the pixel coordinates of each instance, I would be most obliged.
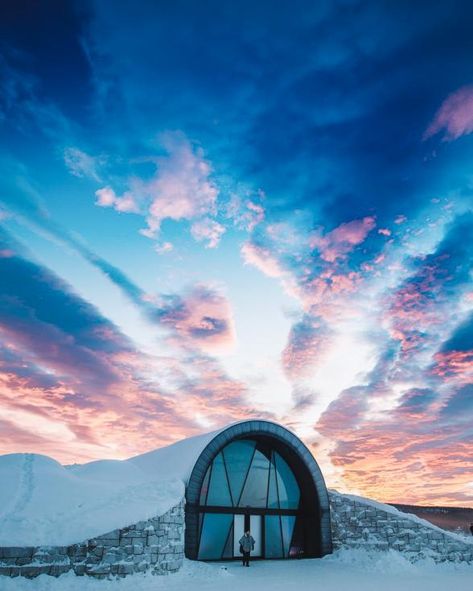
(455, 519)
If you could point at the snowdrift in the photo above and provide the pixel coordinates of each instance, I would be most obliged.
(43, 503)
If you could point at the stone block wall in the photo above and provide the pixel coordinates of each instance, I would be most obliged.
(156, 545)
(358, 524)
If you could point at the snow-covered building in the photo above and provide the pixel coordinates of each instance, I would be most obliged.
(193, 499)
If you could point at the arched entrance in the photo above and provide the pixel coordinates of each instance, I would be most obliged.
(257, 475)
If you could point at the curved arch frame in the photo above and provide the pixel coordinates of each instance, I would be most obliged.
(271, 431)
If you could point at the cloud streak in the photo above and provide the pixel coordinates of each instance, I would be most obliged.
(454, 117)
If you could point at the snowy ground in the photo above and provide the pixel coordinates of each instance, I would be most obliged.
(351, 570)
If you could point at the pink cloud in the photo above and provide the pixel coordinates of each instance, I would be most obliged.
(329, 289)
(106, 197)
(305, 348)
(88, 394)
(454, 117)
(340, 241)
(58, 351)
(80, 422)
(246, 214)
(347, 410)
(180, 189)
(164, 247)
(416, 459)
(126, 204)
(6, 253)
(207, 230)
(256, 215)
(216, 396)
(56, 421)
(457, 365)
(201, 317)
(262, 258)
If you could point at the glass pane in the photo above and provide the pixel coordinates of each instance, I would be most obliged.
(288, 488)
(228, 550)
(296, 549)
(219, 494)
(238, 458)
(214, 535)
(273, 502)
(287, 526)
(255, 490)
(238, 531)
(205, 487)
(272, 537)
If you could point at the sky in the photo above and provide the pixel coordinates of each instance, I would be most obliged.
(217, 211)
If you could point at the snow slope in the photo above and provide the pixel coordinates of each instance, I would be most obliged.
(353, 570)
(45, 503)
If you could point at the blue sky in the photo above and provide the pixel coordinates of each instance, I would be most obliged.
(221, 211)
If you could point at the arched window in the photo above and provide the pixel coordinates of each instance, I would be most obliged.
(249, 485)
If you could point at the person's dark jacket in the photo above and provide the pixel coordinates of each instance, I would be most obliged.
(247, 543)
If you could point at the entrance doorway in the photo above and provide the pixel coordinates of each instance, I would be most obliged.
(243, 523)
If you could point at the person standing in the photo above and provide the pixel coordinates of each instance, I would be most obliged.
(247, 544)
(471, 528)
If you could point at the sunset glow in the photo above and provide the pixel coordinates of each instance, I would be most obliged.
(220, 212)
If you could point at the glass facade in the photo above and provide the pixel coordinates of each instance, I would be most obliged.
(250, 478)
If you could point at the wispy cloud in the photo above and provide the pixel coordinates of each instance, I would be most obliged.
(50, 323)
(207, 230)
(343, 239)
(181, 188)
(62, 362)
(454, 117)
(81, 164)
(262, 258)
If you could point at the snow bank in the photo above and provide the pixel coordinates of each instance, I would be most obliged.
(344, 570)
(45, 503)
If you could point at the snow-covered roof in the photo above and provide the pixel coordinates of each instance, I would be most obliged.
(45, 503)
